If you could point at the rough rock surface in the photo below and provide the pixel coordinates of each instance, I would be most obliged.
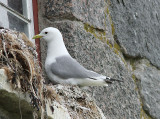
(77, 9)
(148, 80)
(13, 104)
(23, 93)
(72, 103)
(117, 100)
(61, 102)
(137, 27)
(110, 40)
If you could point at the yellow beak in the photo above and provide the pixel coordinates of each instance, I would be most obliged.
(37, 36)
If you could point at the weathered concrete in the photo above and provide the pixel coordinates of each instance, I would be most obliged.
(148, 81)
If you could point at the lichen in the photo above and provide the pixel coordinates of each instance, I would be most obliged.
(109, 44)
(18, 58)
(132, 61)
(50, 117)
(110, 20)
(98, 33)
(135, 81)
(112, 26)
(117, 48)
(12, 104)
(107, 10)
(143, 114)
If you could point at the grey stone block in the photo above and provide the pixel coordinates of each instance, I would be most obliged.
(89, 11)
(119, 100)
(149, 83)
(137, 27)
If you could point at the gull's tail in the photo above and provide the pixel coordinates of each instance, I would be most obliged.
(111, 80)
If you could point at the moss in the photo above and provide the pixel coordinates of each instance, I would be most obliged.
(133, 77)
(50, 117)
(113, 30)
(107, 10)
(10, 103)
(132, 63)
(109, 2)
(109, 44)
(148, 64)
(98, 33)
(135, 81)
(105, 23)
(143, 115)
(117, 48)
(110, 20)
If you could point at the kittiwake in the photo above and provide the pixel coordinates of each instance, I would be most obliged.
(62, 68)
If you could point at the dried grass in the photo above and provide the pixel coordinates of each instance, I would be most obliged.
(19, 59)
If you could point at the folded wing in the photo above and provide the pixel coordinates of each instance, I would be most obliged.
(66, 67)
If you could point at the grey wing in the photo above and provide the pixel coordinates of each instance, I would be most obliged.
(67, 67)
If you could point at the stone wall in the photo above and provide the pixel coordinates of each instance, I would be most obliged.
(13, 103)
(23, 95)
(116, 38)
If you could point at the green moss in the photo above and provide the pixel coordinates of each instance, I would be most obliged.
(116, 51)
(50, 117)
(99, 34)
(132, 64)
(135, 81)
(143, 115)
(113, 30)
(148, 64)
(110, 20)
(109, 44)
(133, 77)
(107, 10)
(10, 103)
(117, 47)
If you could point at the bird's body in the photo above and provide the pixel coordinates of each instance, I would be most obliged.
(66, 70)
(62, 68)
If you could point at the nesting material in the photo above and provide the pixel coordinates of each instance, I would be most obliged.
(70, 102)
(19, 59)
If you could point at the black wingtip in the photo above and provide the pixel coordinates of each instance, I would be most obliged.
(1, 27)
(110, 80)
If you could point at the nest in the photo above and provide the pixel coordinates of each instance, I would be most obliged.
(18, 57)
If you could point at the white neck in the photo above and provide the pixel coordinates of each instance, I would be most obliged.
(56, 48)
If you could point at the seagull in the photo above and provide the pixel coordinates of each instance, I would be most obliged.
(61, 68)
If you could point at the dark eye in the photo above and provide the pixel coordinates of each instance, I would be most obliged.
(45, 32)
